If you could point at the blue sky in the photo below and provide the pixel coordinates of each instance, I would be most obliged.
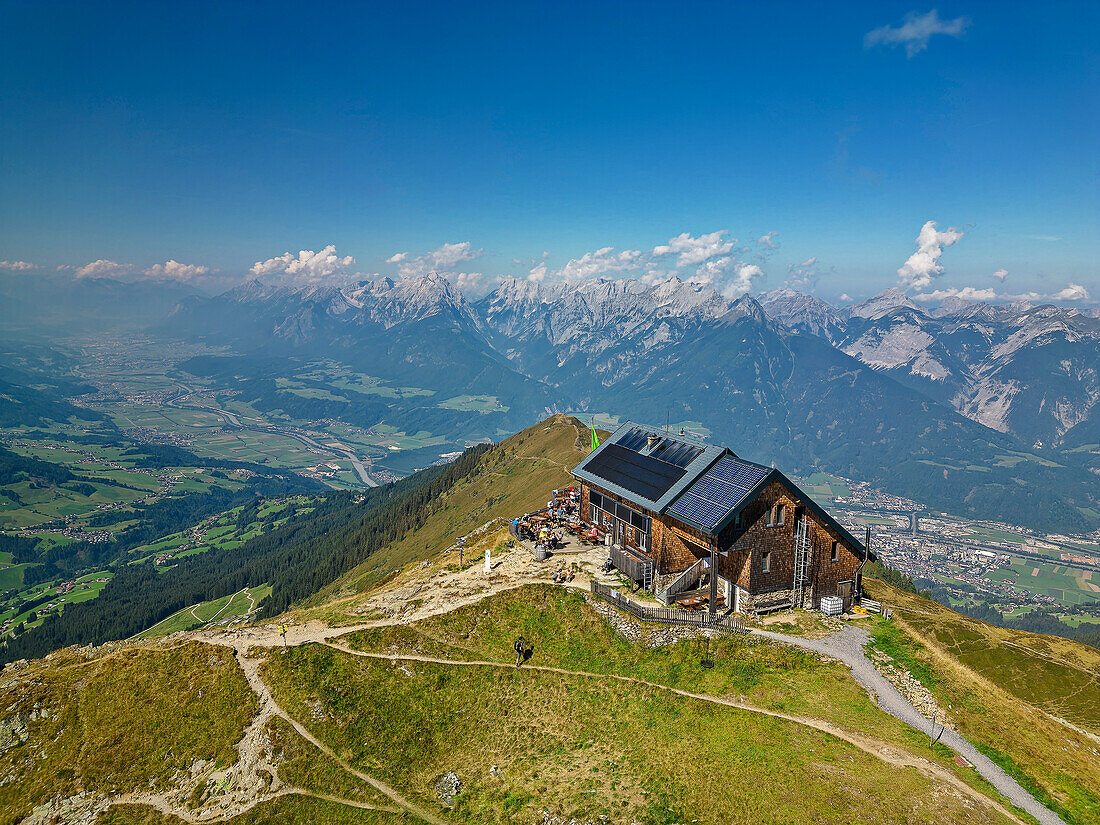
(221, 135)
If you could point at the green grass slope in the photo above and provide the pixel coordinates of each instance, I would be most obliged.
(1030, 702)
(513, 477)
(118, 722)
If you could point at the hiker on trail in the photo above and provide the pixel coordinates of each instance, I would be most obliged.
(520, 645)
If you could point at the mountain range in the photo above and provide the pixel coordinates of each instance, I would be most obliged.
(972, 408)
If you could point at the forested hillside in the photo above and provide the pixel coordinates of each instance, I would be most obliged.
(341, 531)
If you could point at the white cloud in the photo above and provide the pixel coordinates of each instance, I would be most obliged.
(450, 254)
(804, 276)
(743, 277)
(915, 32)
(102, 269)
(692, 251)
(967, 293)
(714, 270)
(308, 266)
(442, 259)
(1000, 275)
(924, 265)
(477, 284)
(605, 261)
(769, 240)
(717, 263)
(175, 271)
(1073, 292)
(17, 266)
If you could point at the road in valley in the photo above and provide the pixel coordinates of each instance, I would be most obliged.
(234, 420)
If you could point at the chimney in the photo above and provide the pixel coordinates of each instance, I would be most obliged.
(651, 442)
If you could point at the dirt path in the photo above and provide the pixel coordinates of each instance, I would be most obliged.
(249, 747)
(444, 592)
(432, 590)
(890, 754)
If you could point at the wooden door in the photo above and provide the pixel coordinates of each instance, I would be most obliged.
(844, 590)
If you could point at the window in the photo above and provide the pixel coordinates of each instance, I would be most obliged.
(766, 562)
(775, 516)
(595, 499)
(835, 554)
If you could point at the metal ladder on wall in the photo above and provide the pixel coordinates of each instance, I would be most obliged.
(802, 546)
(647, 577)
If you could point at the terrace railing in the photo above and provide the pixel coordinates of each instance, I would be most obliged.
(684, 582)
(667, 615)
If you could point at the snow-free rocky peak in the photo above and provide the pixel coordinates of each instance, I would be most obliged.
(883, 304)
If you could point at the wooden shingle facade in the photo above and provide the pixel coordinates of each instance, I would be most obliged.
(685, 508)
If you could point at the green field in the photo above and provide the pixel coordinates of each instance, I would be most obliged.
(221, 532)
(1064, 584)
(1077, 621)
(338, 377)
(1013, 458)
(824, 487)
(474, 403)
(85, 587)
(236, 605)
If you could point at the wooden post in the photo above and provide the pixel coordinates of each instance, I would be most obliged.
(713, 579)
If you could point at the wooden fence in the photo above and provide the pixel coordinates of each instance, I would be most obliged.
(667, 615)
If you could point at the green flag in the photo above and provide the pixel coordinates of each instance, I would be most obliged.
(595, 441)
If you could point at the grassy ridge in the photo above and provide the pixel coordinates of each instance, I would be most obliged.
(567, 633)
(512, 477)
(120, 722)
(585, 747)
(1002, 688)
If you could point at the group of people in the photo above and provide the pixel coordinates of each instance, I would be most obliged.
(547, 527)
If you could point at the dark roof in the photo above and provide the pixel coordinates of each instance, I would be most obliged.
(700, 484)
(649, 477)
(718, 492)
(646, 465)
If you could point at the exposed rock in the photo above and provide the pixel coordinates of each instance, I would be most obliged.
(13, 730)
(447, 787)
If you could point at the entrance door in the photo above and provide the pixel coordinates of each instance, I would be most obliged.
(620, 533)
(844, 590)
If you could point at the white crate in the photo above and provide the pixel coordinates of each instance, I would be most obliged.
(832, 605)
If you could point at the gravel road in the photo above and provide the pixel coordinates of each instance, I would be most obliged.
(847, 645)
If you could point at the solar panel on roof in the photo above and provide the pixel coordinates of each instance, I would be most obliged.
(676, 452)
(717, 492)
(634, 439)
(640, 474)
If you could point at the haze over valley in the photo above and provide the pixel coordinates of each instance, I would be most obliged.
(552, 414)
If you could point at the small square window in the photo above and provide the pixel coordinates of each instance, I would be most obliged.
(780, 511)
(835, 554)
(766, 562)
